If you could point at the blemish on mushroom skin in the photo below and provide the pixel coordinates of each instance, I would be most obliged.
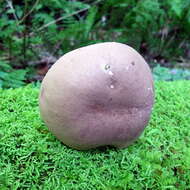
(107, 66)
(96, 107)
(133, 63)
(110, 99)
(112, 109)
(113, 81)
(110, 73)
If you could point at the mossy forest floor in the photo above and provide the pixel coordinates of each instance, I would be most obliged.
(32, 158)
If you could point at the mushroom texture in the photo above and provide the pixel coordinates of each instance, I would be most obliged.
(98, 95)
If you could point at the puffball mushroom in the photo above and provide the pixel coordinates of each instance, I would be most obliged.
(98, 95)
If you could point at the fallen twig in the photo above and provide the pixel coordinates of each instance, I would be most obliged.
(9, 2)
(29, 12)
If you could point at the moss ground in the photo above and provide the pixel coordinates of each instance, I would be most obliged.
(32, 158)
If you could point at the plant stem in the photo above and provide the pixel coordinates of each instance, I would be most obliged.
(10, 50)
(29, 12)
(10, 4)
(63, 17)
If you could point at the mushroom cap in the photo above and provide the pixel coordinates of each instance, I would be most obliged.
(97, 95)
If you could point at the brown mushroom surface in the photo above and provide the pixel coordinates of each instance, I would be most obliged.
(98, 95)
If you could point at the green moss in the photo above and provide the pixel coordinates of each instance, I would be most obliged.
(32, 158)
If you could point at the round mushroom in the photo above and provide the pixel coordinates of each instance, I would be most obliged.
(97, 95)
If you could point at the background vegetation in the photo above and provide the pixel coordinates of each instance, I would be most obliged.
(33, 34)
(32, 158)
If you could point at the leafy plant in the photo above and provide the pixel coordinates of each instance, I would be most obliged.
(156, 28)
(11, 78)
(146, 25)
(163, 73)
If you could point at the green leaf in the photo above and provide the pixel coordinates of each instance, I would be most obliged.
(14, 79)
(1, 83)
(188, 16)
(3, 74)
(4, 66)
(78, 5)
(90, 20)
(177, 7)
(19, 11)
